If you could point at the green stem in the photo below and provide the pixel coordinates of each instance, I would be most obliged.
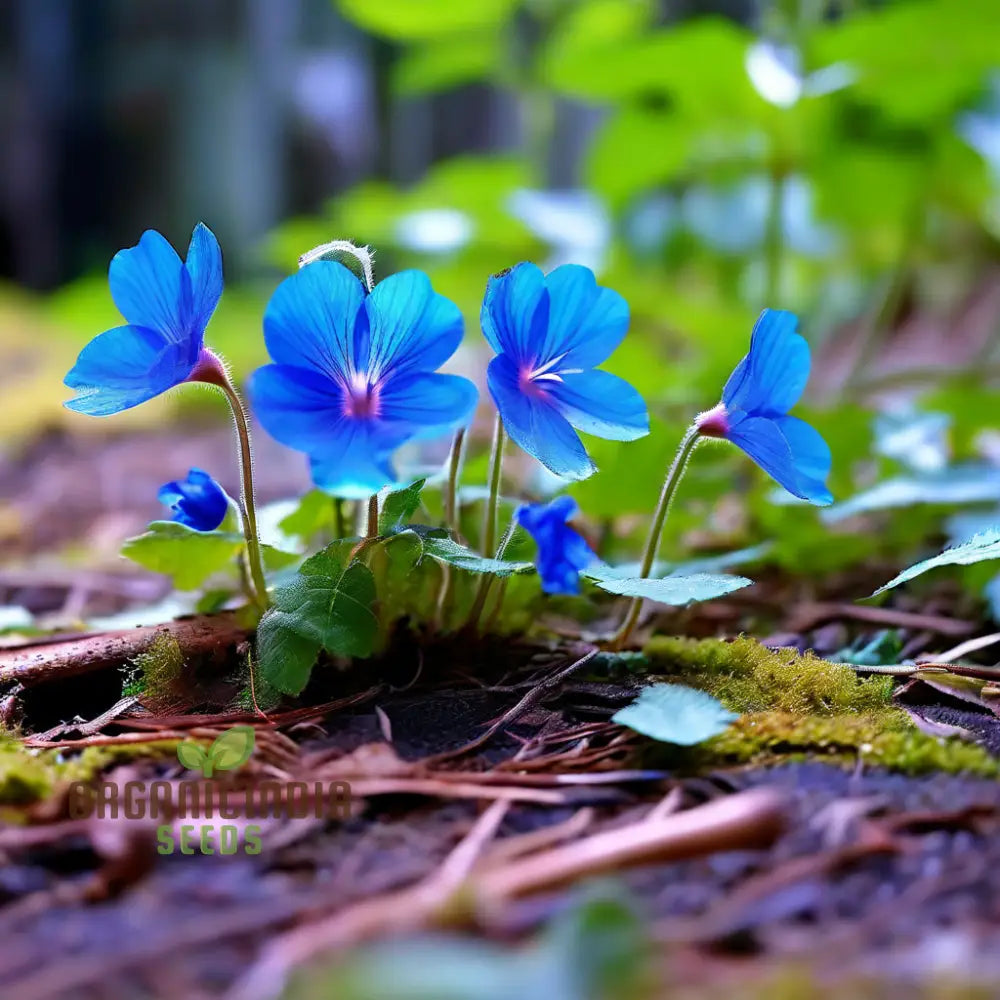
(674, 473)
(248, 510)
(452, 521)
(489, 523)
(339, 521)
(371, 525)
(493, 500)
(451, 507)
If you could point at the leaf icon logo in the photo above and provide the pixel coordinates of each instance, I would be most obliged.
(191, 755)
(229, 751)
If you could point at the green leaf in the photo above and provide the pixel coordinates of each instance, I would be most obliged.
(422, 19)
(672, 590)
(192, 755)
(672, 713)
(659, 147)
(398, 506)
(232, 749)
(918, 61)
(325, 607)
(277, 558)
(314, 514)
(446, 63)
(980, 548)
(189, 557)
(455, 554)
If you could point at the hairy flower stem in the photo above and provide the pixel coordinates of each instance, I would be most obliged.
(489, 523)
(371, 524)
(674, 473)
(452, 521)
(451, 507)
(486, 583)
(211, 370)
(492, 502)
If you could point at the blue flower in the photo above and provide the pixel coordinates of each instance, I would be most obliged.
(355, 374)
(198, 501)
(753, 413)
(562, 551)
(167, 304)
(549, 332)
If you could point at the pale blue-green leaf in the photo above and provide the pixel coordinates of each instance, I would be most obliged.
(980, 548)
(455, 554)
(971, 483)
(672, 713)
(672, 590)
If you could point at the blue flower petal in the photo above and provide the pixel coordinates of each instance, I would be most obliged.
(534, 423)
(310, 320)
(600, 403)
(778, 447)
(204, 267)
(198, 501)
(586, 322)
(353, 465)
(152, 288)
(515, 313)
(562, 551)
(411, 327)
(296, 406)
(773, 375)
(124, 367)
(812, 458)
(432, 404)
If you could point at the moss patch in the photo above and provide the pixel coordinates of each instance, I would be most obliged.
(24, 777)
(748, 677)
(155, 671)
(795, 706)
(28, 775)
(890, 740)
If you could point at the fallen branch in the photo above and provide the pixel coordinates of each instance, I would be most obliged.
(39, 663)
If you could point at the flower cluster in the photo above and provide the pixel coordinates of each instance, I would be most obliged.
(354, 375)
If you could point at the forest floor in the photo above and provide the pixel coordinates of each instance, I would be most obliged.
(825, 847)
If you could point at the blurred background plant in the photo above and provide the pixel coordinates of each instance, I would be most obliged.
(841, 159)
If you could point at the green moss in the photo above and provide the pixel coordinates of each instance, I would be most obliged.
(24, 776)
(28, 775)
(748, 677)
(796, 706)
(888, 740)
(154, 672)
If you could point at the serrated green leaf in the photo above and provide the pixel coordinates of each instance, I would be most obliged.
(672, 590)
(189, 557)
(325, 607)
(980, 548)
(192, 755)
(422, 19)
(232, 749)
(398, 506)
(673, 713)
